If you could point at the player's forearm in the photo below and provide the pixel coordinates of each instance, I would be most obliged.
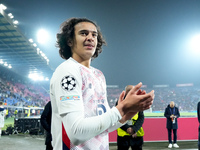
(122, 108)
(81, 129)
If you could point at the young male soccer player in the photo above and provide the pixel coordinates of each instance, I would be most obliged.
(81, 117)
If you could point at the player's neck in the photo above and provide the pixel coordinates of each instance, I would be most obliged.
(84, 62)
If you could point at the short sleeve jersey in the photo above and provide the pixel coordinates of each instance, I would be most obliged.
(75, 87)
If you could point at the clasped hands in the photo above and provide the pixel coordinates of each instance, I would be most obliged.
(136, 100)
(131, 132)
(172, 116)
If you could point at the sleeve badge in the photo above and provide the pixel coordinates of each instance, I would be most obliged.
(68, 83)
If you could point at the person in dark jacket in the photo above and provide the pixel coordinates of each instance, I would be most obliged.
(172, 113)
(131, 134)
(46, 123)
(198, 115)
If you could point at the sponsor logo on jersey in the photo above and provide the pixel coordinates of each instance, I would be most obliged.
(101, 109)
(71, 97)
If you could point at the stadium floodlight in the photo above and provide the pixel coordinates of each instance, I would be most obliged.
(9, 66)
(38, 51)
(36, 77)
(15, 22)
(34, 44)
(41, 78)
(3, 7)
(195, 44)
(33, 76)
(47, 61)
(42, 36)
(43, 55)
(31, 40)
(10, 15)
(5, 64)
(1, 61)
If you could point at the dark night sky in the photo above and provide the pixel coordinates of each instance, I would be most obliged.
(147, 40)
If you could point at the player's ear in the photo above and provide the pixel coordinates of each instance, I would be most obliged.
(70, 43)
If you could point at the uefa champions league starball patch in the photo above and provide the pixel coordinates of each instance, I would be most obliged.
(68, 83)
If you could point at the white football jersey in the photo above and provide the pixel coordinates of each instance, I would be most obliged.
(76, 88)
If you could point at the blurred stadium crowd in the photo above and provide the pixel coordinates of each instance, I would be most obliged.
(185, 98)
(19, 91)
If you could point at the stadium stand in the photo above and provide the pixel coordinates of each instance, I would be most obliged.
(15, 91)
(186, 98)
(20, 57)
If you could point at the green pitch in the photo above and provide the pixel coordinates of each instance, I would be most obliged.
(182, 114)
(9, 121)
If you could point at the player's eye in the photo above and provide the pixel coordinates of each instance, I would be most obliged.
(84, 33)
(95, 35)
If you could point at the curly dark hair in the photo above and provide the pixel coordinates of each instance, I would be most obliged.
(67, 34)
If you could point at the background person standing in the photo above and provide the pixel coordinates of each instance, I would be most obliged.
(2, 116)
(46, 123)
(172, 113)
(131, 134)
